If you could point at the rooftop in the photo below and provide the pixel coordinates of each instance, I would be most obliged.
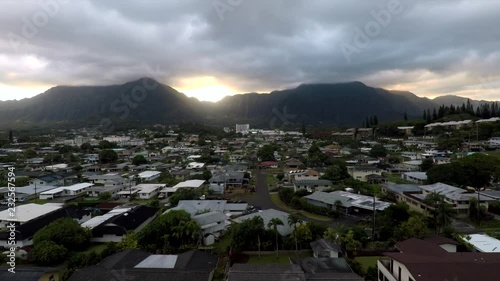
(27, 212)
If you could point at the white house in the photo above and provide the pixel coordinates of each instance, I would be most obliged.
(73, 190)
(361, 172)
(149, 175)
(148, 191)
(416, 177)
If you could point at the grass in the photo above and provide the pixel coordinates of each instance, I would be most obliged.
(281, 258)
(272, 181)
(277, 201)
(95, 247)
(396, 178)
(366, 262)
(37, 201)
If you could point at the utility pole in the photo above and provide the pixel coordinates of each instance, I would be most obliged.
(373, 227)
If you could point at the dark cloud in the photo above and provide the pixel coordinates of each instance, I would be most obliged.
(429, 47)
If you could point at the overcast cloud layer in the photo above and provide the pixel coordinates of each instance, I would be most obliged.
(429, 47)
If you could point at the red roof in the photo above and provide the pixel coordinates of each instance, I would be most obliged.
(268, 163)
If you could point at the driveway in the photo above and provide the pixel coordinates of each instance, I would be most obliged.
(262, 199)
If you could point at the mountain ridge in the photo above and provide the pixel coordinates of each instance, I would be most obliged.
(146, 101)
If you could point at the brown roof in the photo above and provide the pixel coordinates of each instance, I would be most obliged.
(426, 261)
(440, 240)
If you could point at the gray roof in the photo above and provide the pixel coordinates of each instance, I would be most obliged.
(269, 214)
(25, 273)
(400, 188)
(313, 182)
(417, 175)
(265, 272)
(331, 269)
(323, 245)
(210, 217)
(329, 198)
(451, 192)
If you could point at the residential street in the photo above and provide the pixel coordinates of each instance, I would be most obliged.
(262, 199)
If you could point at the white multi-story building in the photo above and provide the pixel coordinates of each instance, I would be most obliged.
(242, 128)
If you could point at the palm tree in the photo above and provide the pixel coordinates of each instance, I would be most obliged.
(441, 211)
(338, 207)
(293, 220)
(192, 229)
(179, 231)
(273, 223)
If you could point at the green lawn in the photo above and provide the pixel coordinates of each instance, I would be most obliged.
(272, 181)
(95, 247)
(281, 258)
(277, 201)
(366, 262)
(396, 178)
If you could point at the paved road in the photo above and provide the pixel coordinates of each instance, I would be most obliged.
(262, 199)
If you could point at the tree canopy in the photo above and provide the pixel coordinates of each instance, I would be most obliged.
(64, 232)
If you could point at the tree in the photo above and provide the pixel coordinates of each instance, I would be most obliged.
(105, 196)
(351, 244)
(414, 227)
(266, 153)
(426, 164)
(48, 253)
(293, 220)
(378, 150)
(302, 234)
(336, 172)
(139, 160)
(184, 194)
(11, 136)
(86, 147)
(441, 211)
(280, 176)
(375, 120)
(30, 153)
(207, 175)
(405, 116)
(273, 223)
(104, 144)
(108, 156)
(247, 235)
(333, 236)
(64, 232)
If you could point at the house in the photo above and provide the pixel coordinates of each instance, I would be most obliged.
(268, 165)
(483, 243)
(407, 130)
(134, 264)
(26, 192)
(360, 172)
(414, 196)
(47, 180)
(148, 191)
(114, 225)
(78, 189)
(416, 177)
(148, 175)
(25, 273)
(229, 179)
(113, 190)
(33, 217)
(195, 166)
(325, 249)
(198, 206)
(326, 269)
(420, 260)
(268, 215)
(348, 202)
(293, 163)
(265, 272)
(302, 175)
(312, 185)
(212, 225)
(110, 179)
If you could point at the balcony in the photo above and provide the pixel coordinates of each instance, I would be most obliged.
(384, 271)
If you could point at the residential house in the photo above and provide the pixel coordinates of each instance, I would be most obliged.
(416, 177)
(47, 180)
(265, 272)
(229, 179)
(483, 243)
(95, 191)
(326, 269)
(79, 189)
(302, 175)
(147, 176)
(111, 179)
(267, 216)
(420, 260)
(268, 165)
(350, 203)
(312, 185)
(212, 224)
(114, 225)
(134, 264)
(414, 196)
(325, 249)
(361, 172)
(28, 273)
(293, 163)
(33, 217)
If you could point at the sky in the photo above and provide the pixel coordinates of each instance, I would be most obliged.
(209, 49)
